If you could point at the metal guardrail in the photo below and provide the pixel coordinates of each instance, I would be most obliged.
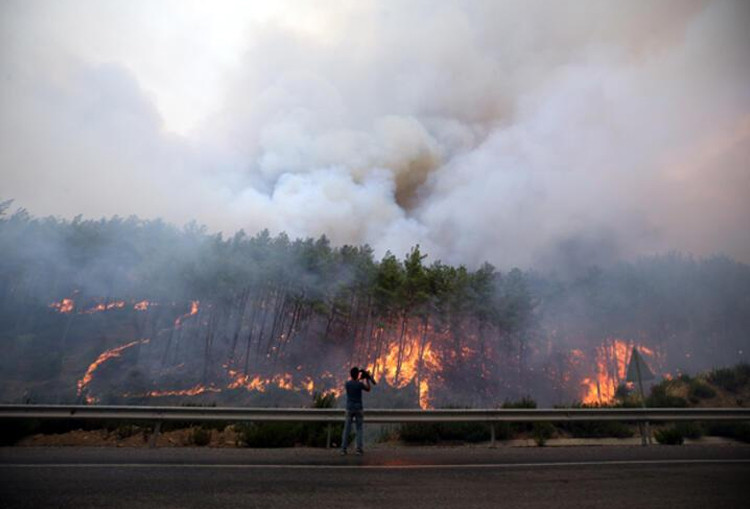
(169, 413)
(198, 414)
(334, 415)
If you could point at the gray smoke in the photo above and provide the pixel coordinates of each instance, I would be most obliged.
(530, 133)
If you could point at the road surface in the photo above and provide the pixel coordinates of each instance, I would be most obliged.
(387, 477)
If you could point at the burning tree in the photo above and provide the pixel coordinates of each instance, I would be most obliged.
(248, 316)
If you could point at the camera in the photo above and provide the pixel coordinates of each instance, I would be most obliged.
(366, 375)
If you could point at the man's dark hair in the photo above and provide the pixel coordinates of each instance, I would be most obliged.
(354, 372)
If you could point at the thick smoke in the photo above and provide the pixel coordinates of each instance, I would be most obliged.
(529, 133)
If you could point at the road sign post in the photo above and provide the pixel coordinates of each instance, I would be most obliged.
(638, 371)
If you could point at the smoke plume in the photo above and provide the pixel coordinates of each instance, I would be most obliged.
(528, 133)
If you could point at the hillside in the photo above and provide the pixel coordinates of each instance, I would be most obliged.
(718, 388)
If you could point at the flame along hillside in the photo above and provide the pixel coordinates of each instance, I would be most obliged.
(127, 311)
(417, 365)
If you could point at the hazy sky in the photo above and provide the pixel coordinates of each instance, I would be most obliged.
(518, 132)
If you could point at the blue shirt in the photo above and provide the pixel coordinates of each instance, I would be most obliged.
(354, 390)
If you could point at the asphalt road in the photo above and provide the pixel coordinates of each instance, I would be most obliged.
(435, 477)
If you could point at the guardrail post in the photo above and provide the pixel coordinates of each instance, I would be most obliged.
(492, 436)
(154, 436)
(645, 429)
(328, 436)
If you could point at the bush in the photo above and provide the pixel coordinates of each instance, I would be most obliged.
(698, 390)
(504, 431)
(434, 432)
(724, 378)
(267, 434)
(743, 373)
(730, 379)
(660, 398)
(124, 431)
(689, 429)
(597, 429)
(200, 436)
(464, 431)
(315, 434)
(669, 436)
(542, 432)
(419, 433)
(735, 430)
(512, 429)
(525, 402)
(284, 434)
(388, 433)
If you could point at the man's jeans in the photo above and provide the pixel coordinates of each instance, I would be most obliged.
(357, 416)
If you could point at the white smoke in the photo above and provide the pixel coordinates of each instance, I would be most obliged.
(512, 132)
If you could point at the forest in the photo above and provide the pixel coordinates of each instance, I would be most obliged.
(126, 310)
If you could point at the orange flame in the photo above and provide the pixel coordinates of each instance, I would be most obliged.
(193, 391)
(142, 305)
(194, 306)
(104, 357)
(389, 370)
(430, 364)
(105, 307)
(412, 369)
(258, 383)
(611, 367)
(64, 306)
(68, 305)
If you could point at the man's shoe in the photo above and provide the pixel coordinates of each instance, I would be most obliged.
(342, 452)
(360, 452)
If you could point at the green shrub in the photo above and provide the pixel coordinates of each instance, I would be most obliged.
(525, 402)
(730, 379)
(284, 434)
(743, 373)
(597, 429)
(200, 436)
(504, 431)
(267, 434)
(541, 432)
(434, 432)
(515, 428)
(735, 430)
(600, 429)
(690, 429)
(388, 433)
(726, 378)
(178, 425)
(669, 436)
(419, 433)
(698, 390)
(315, 434)
(464, 431)
(124, 431)
(659, 398)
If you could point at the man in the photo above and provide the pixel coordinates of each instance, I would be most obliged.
(354, 408)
